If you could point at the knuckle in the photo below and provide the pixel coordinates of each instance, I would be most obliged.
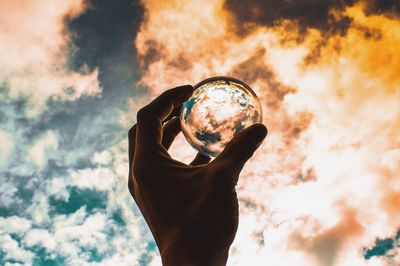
(166, 95)
(142, 114)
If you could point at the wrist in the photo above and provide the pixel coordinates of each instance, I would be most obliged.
(192, 256)
(194, 251)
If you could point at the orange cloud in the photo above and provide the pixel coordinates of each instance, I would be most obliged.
(324, 245)
(34, 48)
(331, 100)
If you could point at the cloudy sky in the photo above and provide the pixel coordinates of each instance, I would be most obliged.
(323, 189)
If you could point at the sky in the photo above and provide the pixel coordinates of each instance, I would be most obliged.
(322, 190)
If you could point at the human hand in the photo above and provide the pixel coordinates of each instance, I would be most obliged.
(191, 210)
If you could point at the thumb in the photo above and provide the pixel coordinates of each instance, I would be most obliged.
(241, 148)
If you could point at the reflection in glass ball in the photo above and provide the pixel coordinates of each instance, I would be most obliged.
(219, 108)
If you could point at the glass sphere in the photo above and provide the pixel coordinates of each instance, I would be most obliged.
(218, 110)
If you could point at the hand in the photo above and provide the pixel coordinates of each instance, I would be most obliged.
(192, 210)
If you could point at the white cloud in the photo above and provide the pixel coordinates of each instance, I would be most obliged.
(102, 158)
(7, 190)
(6, 146)
(90, 232)
(13, 251)
(84, 229)
(46, 142)
(77, 217)
(34, 47)
(98, 178)
(120, 259)
(396, 254)
(16, 264)
(77, 231)
(156, 261)
(39, 209)
(57, 188)
(41, 238)
(14, 224)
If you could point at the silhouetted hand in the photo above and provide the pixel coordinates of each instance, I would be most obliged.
(192, 210)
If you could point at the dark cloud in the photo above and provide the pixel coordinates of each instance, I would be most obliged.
(155, 51)
(383, 6)
(152, 53)
(101, 37)
(254, 69)
(305, 176)
(307, 13)
(106, 30)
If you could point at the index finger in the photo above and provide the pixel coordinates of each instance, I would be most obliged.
(150, 117)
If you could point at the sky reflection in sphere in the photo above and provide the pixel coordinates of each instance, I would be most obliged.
(219, 108)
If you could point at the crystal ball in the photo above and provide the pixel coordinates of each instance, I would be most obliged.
(219, 108)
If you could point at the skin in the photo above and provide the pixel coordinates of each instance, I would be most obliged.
(192, 210)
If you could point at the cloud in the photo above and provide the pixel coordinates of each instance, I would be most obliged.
(309, 13)
(64, 198)
(387, 248)
(6, 146)
(88, 233)
(330, 99)
(40, 237)
(57, 187)
(326, 244)
(332, 117)
(97, 178)
(302, 15)
(34, 50)
(108, 234)
(15, 264)
(14, 225)
(13, 251)
(37, 153)
(7, 196)
(39, 208)
(102, 158)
